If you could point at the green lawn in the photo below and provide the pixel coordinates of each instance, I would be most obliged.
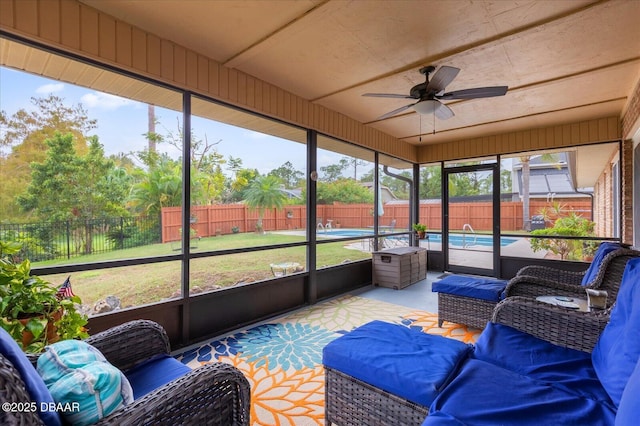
(142, 284)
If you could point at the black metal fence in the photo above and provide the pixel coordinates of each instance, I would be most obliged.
(64, 240)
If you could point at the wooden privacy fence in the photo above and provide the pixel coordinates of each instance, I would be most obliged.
(224, 219)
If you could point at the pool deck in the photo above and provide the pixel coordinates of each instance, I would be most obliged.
(477, 256)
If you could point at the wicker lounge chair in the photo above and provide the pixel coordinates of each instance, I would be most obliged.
(533, 281)
(349, 401)
(215, 393)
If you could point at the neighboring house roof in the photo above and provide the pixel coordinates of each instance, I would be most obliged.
(547, 180)
(292, 193)
(387, 194)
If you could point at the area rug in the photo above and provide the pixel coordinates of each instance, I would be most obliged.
(282, 359)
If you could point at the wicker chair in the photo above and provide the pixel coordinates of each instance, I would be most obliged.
(214, 394)
(533, 281)
(561, 326)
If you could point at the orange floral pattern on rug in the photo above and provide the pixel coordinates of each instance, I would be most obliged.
(429, 324)
(281, 397)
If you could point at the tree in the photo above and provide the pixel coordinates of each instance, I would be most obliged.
(525, 161)
(506, 186)
(333, 172)
(346, 191)
(23, 139)
(241, 178)
(73, 187)
(264, 193)
(431, 182)
(288, 175)
(159, 186)
(464, 184)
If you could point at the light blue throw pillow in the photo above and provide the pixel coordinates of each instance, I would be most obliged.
(83, 382)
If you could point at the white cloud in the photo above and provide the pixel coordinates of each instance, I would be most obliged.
(104, 101)
(50, 88)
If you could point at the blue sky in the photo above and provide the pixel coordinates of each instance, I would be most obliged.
(123, 122)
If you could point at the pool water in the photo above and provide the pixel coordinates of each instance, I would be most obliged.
(347, 232)
(456, 240)
(471, 240)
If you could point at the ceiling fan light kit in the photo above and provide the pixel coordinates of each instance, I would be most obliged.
(429, 93)
(428, 106)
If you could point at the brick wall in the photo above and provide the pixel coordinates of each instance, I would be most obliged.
(603, 200)
(627, 190)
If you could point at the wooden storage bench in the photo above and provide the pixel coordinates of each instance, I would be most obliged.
(399, 267)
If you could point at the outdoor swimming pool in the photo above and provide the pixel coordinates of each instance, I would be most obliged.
(347, 232)
(457, 240)
(471, 240)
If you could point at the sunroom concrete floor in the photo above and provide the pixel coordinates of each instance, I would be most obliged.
(417, 295)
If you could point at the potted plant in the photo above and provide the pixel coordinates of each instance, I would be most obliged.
(421, 229)
(30, 309)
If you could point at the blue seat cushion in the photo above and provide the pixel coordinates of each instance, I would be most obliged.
(477, 288)
(485, 394)
(592, 271)
(33, 382)
(616, 354)
(527, 355)
(154, 373)
(403, 361)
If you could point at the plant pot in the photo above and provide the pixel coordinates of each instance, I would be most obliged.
(52, 332)
(421, 234)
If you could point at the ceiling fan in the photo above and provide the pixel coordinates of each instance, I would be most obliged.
(431, 91)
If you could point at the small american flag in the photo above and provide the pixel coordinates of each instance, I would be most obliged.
(65, 291)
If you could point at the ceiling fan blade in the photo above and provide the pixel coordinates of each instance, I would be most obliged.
(394, 112)
(442, 78)
(478, 92)
(443, 112)
(387, 95)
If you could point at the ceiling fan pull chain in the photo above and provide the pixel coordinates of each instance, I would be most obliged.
(419, 115)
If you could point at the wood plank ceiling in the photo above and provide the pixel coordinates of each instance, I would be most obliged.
(563, 61)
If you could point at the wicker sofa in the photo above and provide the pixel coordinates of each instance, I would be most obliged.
(216, 394)
(513, 377)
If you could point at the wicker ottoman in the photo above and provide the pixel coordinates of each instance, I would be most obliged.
(467, 300)
(387, 374)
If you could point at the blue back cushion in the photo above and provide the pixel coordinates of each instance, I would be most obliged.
(616, 353)
(538, 359)
(601, 253)
(629, 409)
(34, 383)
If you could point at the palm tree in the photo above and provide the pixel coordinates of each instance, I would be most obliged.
(264, 193)
(526, 175)
(160, 186)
